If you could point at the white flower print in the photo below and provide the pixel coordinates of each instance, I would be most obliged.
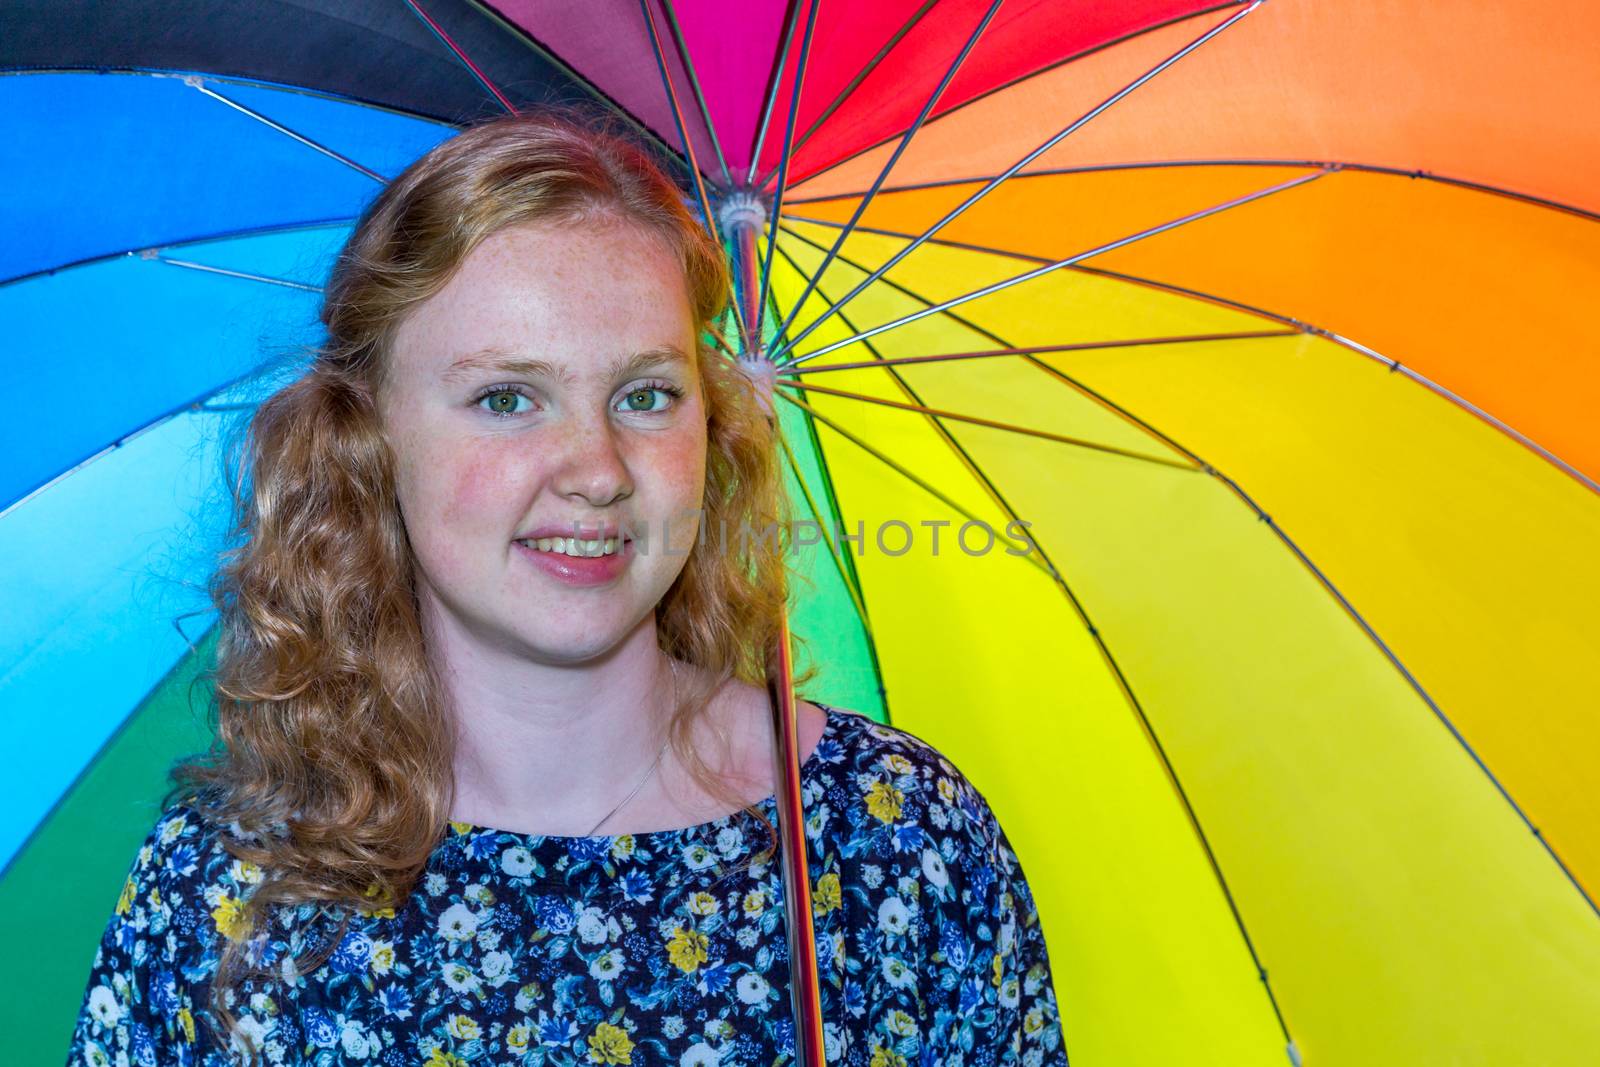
(730, 841)
(933, 869)
(699, 1054)
(357, 1043)
(898, 974)
(672, 1026)
(894, 918)
(517, 862)
(595, 927)
(497, 968)
(104, 1007)
(752, 988)
(697, 857)
(607, 966)
(458, 923)
(832, 1042)
(460, 977)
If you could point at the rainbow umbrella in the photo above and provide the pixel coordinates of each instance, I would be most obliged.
(1233, 353)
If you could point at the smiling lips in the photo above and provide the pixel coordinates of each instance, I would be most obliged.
(572, 546)
(575, 562)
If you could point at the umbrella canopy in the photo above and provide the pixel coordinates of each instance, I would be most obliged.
(1256, 325)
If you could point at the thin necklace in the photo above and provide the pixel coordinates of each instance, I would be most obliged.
(653, 763)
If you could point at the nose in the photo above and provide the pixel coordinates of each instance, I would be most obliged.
(592, 466)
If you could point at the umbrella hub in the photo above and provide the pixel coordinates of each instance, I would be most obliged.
(763, 374)
(742, 209)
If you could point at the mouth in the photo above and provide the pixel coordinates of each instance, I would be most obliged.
(572, 546)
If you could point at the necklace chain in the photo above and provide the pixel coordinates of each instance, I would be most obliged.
(672, 669)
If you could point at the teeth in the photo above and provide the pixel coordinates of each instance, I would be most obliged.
(571, 546)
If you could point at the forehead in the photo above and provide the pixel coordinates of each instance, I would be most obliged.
(580, 295)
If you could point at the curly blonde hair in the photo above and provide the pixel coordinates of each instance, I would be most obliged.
(333, 747)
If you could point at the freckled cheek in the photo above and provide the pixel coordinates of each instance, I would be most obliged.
(677, 465)
(453, 499)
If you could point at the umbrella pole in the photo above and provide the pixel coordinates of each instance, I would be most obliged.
(741, 216)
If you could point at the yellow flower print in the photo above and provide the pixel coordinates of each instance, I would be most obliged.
(687, 950)
(377, 913)
(887, 1057)
(610, 1044)
(382, 956)
(464, 1028)
(827, 896)
(883, 801)
(517, 1038)
(900, 1023)
(460, 828)
(125, 901)
(229, 917)
(703, 903)
(622, 847)
(896, 763)
(441, 1058)
(997, 967)
(1033, 1022)
(947, 790)
(186, 1020)
(755, 902)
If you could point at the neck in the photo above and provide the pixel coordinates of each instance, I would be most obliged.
(550, 748)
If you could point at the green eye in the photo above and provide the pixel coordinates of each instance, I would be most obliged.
(640, 400)
(502, 401)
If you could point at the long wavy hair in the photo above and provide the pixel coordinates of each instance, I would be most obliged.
(331, 761)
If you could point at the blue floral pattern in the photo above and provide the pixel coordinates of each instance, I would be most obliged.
(663, 948)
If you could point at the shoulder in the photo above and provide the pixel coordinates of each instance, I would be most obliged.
(183, 888)
(904, 793)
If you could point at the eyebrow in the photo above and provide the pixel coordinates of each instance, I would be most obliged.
(499, 360)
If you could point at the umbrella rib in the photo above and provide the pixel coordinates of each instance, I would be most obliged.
(149, 251)
(521, 36)
(961, 453)
(1109, 43)
(1321, 578)
(901, 470)
(861, 76)
(1084, 390)
(244, 275)
(465, 60)
(688, 150)
(194, 80)
(1298, 327)
(197, 403)
(772, 94)
(991, 423)
(1034, 350)
(694, 85)
(783, 168)
(845, 574)
(1096, 168)
(1122, 682)
(883, 175)
(1066, 131)
(1127, 690)
(1026, 276)
(990, 489)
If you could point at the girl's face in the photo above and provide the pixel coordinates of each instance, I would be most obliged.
(551, 382)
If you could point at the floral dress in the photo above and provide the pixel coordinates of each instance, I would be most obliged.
(648, 949)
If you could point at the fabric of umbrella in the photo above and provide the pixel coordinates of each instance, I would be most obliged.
(1266, 320)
